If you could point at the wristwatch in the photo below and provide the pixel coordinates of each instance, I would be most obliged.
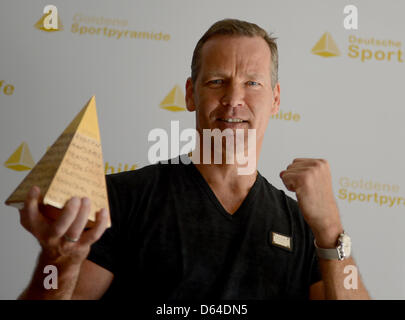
(341, 252)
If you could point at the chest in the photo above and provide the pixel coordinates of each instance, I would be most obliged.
(186, 245)
(230, 200)
(198, 251)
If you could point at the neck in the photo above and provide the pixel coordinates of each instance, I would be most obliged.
(226, 175)
(233, 175)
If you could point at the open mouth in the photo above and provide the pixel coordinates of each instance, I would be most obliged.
(232, 120)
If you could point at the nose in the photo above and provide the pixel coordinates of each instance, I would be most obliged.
(233, 96)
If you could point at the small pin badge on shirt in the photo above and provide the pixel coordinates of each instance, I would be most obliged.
(281, 241)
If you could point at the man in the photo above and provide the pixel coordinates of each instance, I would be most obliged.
(202, 231)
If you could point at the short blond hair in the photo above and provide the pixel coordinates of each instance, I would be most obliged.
(234, 27)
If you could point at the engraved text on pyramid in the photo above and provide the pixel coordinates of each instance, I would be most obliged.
(81, 171)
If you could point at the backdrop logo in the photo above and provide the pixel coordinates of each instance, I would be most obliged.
(286, 116)
(174, 101)
(326, 47)
(8, 89)
(21, 159)
(112, 28)
(116, 169)
(367, 49)
(374, 192)
(362, 49)
(50, 20)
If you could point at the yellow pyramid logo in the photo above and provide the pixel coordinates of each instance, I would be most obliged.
(174, 101)
(326, 47)
(21, 159)
(72, 166)
(50, 20)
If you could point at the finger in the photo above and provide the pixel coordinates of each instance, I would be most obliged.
(90, 236)
(298, 168)
(288, 180)
(76, 228)
(312, 161)
(67, 216)
(294, 169)
(307, 163)
(302, 159)
(30, 216)
(27, 213)
(292, 180)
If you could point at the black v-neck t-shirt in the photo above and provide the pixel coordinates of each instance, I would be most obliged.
(172, 239)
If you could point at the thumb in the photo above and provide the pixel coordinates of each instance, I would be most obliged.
(288, 180)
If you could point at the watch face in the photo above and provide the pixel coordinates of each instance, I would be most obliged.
(347, 244)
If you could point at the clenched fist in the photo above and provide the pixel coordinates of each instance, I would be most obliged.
(311, 181)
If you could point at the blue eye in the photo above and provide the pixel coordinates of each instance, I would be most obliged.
(253, 83)
(217, 81)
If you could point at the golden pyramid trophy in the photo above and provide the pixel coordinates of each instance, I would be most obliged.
(72, 166)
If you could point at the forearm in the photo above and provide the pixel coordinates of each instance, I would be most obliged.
(340, 285)
(341, 278)
(67, 276)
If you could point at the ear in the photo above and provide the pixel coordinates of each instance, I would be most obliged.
(276, 100)
(189, 95)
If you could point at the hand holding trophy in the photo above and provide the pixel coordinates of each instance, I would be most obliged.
(71, 178)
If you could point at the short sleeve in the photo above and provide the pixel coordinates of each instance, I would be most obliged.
(103, 252)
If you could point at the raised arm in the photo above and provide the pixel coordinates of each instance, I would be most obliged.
(311, 180)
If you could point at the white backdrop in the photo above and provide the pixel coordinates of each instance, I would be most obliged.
(350, 111)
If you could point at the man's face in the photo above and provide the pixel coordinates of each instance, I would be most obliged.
(234, 84)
